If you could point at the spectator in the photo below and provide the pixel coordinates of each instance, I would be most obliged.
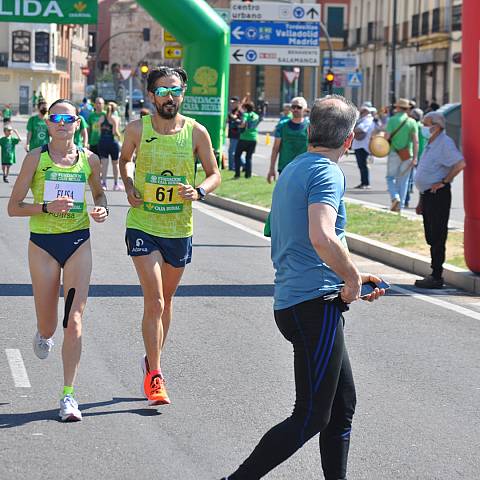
(7, 145)
(37, 130)
(402, 134)
(248, 139)
(291, 138)
(234, 122)
(363, 131)
(417, 115)
(441, 163)
(7, 113)
(286, 112)
(85, 109)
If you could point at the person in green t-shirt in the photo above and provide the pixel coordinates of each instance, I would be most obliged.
(402, 133)
(7, 145)
(81, 133)
(37, 130)
(248, 139)
(291, 138)
(7, 113)
(94, 126)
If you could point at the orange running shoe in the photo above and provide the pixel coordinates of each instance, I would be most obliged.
(155, 390)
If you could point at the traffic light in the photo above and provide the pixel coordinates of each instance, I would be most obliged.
(329, 79)
(144, 69)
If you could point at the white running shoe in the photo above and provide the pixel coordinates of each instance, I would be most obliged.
(145, 369)
(69, 411)
(42, 346)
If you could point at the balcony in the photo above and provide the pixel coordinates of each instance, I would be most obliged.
(61, 63)
(4, 59)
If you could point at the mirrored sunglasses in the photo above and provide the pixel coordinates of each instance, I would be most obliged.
(164, 91)
(58, 117)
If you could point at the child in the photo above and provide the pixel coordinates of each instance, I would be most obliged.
(7, 144)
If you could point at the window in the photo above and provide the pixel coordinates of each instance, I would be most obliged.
(457, 18)
(415, 25)
(435, 20)
(335, 16)
(42, 47)
(425, 23)
(21, 46)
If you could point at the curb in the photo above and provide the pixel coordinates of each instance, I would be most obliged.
(395, 257)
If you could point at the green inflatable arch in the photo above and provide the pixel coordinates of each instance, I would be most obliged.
(206, 41)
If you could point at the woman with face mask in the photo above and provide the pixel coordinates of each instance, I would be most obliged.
(37, 130)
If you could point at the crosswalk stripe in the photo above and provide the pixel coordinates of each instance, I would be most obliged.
(17, 367)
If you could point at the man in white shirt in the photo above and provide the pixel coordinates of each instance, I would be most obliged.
(363, 132)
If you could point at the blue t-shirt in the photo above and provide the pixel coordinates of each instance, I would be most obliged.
(300, 274)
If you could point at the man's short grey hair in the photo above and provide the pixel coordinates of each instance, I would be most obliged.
(332, 120)
(299, 101)
(436, 117)
(417, 114)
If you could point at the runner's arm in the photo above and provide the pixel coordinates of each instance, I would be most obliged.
(99, 212)
(273, 159)
(131, 140)
(204, 151)
(84, 135)
(29, 137)
(116, 130)
(16, 205)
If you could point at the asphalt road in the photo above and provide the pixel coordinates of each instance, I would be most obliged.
(229, 371)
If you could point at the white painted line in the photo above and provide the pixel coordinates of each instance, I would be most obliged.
(404, 291)
(440, 303)
(17, 367)
(226, 220)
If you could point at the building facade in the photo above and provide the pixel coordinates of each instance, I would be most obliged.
(428, 50)
(36, 61)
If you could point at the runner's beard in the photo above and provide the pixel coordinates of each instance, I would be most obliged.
(167, 114)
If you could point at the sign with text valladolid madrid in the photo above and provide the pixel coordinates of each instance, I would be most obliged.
(49, 11)
(274, 33)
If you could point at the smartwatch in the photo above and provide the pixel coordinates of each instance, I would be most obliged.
(107, 210)
(201, 192)
(44, 207)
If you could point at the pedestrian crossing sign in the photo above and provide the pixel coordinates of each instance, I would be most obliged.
(355, 79)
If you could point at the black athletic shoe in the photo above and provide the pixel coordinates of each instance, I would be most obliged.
(429, 282)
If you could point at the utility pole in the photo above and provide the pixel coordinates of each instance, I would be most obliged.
(394, 56)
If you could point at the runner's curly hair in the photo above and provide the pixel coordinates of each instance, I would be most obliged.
(161, 72)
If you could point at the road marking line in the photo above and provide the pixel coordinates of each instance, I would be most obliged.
(226, 220)
(404, 291)
(17, 367)
(440, 303)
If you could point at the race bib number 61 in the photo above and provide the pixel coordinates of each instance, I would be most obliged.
(161, 194)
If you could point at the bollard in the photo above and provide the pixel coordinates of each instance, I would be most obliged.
(267, 139)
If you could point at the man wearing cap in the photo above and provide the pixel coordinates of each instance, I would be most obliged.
(363, 131)
(403, 138)
(291, 138)
(234, 122)
(441, 163)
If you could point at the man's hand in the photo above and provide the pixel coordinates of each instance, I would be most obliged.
(187, 192)
(377, 292)
(133, 196)
(271, 175)
(351, 290)
(436, 187)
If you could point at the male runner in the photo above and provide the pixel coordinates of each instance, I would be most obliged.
(94, 126)
(159, 224)
(37, 130)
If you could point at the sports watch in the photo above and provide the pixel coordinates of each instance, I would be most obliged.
(201, 192)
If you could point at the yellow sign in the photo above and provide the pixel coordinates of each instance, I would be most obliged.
(207, 78)
(168, 37)
(174, 52)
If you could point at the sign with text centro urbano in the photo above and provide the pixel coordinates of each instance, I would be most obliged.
(341, 62)
(271, 11)
(253, 55)
(49, 11)
(291, 34)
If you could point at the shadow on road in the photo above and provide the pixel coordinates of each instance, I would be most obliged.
(209, 290)
(11, 420)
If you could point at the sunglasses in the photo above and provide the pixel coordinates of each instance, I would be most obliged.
(296, 107)
(164, 91)
(59, 117)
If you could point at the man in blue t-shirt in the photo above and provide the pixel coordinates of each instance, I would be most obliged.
(315, 280)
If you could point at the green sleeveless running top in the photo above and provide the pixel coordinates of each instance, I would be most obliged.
(51, 181)
(162, 162)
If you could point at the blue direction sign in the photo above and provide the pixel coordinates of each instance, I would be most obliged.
(289, 34)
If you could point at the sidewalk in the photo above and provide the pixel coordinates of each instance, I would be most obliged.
(395, 257)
